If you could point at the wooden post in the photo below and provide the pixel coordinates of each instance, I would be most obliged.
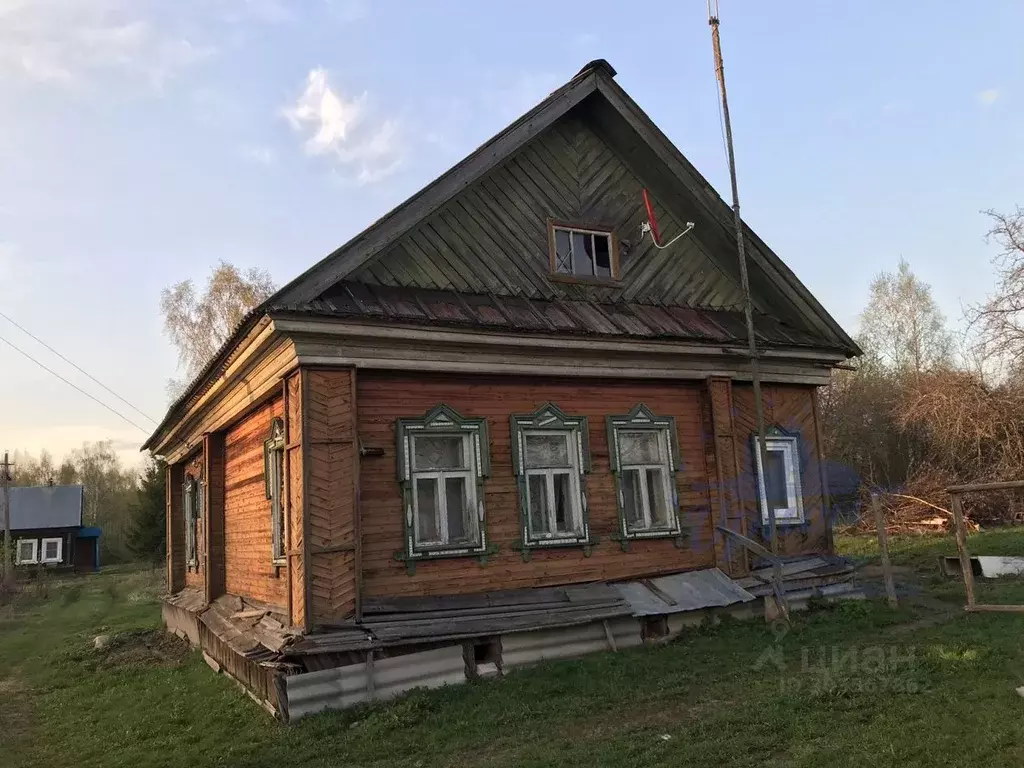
(883, 548)
(6, 480)
(961, 547)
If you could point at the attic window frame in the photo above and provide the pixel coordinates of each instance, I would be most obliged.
(589, 229)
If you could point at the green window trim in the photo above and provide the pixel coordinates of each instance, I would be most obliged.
(790, 445)
(192, 501)
(443, 421)
(273, 470)
(642, 419)
(549, 421)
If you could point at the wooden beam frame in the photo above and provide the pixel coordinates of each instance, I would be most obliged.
(960, 531)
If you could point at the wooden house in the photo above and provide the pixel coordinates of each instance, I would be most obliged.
(47, 531)
(492, 414)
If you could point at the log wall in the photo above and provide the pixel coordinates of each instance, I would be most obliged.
(248, 565)
(332, 459)
(383, 397)
(791, 408)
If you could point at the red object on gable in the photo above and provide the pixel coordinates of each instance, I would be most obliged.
(651, 219)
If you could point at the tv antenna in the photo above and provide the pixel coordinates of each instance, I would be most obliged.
(748, 310)
(651, 226)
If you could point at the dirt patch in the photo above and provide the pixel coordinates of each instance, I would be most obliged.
(16, 715)
(144, 647)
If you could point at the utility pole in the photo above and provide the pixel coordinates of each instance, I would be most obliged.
(748, 311)
(5, 480)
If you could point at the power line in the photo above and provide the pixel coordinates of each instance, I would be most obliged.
(74, 386)
(76, 367)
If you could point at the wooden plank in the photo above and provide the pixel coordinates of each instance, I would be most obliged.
(883, 548)
(982, 608)
(1005, 486)
(961, 547)
(609, 636)
(306, 460)
(356, 502)
(750, 544)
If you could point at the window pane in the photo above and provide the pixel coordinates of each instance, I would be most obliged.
(775, 480)
(564, 518)
(547, 450)
(657, 502)
(457, 503)
(426, 508)
(632, 501)
(639, 448)
(51, 550)
(439, 452)
(582, 253)
(277, 466)
(538, 500)
(25, 550)
(563, 252)
(602, 256)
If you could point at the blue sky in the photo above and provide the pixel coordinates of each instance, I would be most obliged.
(143, 141)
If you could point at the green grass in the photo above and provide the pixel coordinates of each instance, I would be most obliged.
(918, 686)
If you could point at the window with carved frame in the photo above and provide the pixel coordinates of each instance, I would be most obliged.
(192, 502)
(273, 479)
(644, 457)
(550, 457)
(443, 459)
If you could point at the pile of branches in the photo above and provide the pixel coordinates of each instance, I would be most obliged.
(955, 430)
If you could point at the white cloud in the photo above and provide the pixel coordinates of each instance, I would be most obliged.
(66, 41)
(365, 149)
(988, 97)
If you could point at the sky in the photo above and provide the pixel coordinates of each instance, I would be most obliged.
(141, 142)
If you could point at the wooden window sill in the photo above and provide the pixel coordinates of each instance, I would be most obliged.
(597, 282)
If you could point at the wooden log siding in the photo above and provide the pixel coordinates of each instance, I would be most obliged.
(213, 453)
(792, 409)
(382, 397)
(332, 456)
(723, 474)
(295, 500)
(175, 529)
(248, 566)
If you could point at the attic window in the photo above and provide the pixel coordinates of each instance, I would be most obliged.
(582, 252)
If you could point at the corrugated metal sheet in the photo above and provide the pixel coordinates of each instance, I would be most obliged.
(690, 591)
(521, 648)
(420, 306)
(48, 506)
(343, 687)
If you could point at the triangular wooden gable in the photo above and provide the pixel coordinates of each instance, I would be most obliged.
(586, 151)
(493, 236)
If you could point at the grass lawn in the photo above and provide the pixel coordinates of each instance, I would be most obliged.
(847, 685)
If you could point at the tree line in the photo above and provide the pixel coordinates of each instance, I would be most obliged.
(927, 407)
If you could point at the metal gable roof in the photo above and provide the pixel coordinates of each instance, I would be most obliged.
(421, 306)
(594, 82)
(54, 506)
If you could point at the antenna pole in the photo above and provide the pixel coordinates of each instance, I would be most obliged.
(748, 311)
